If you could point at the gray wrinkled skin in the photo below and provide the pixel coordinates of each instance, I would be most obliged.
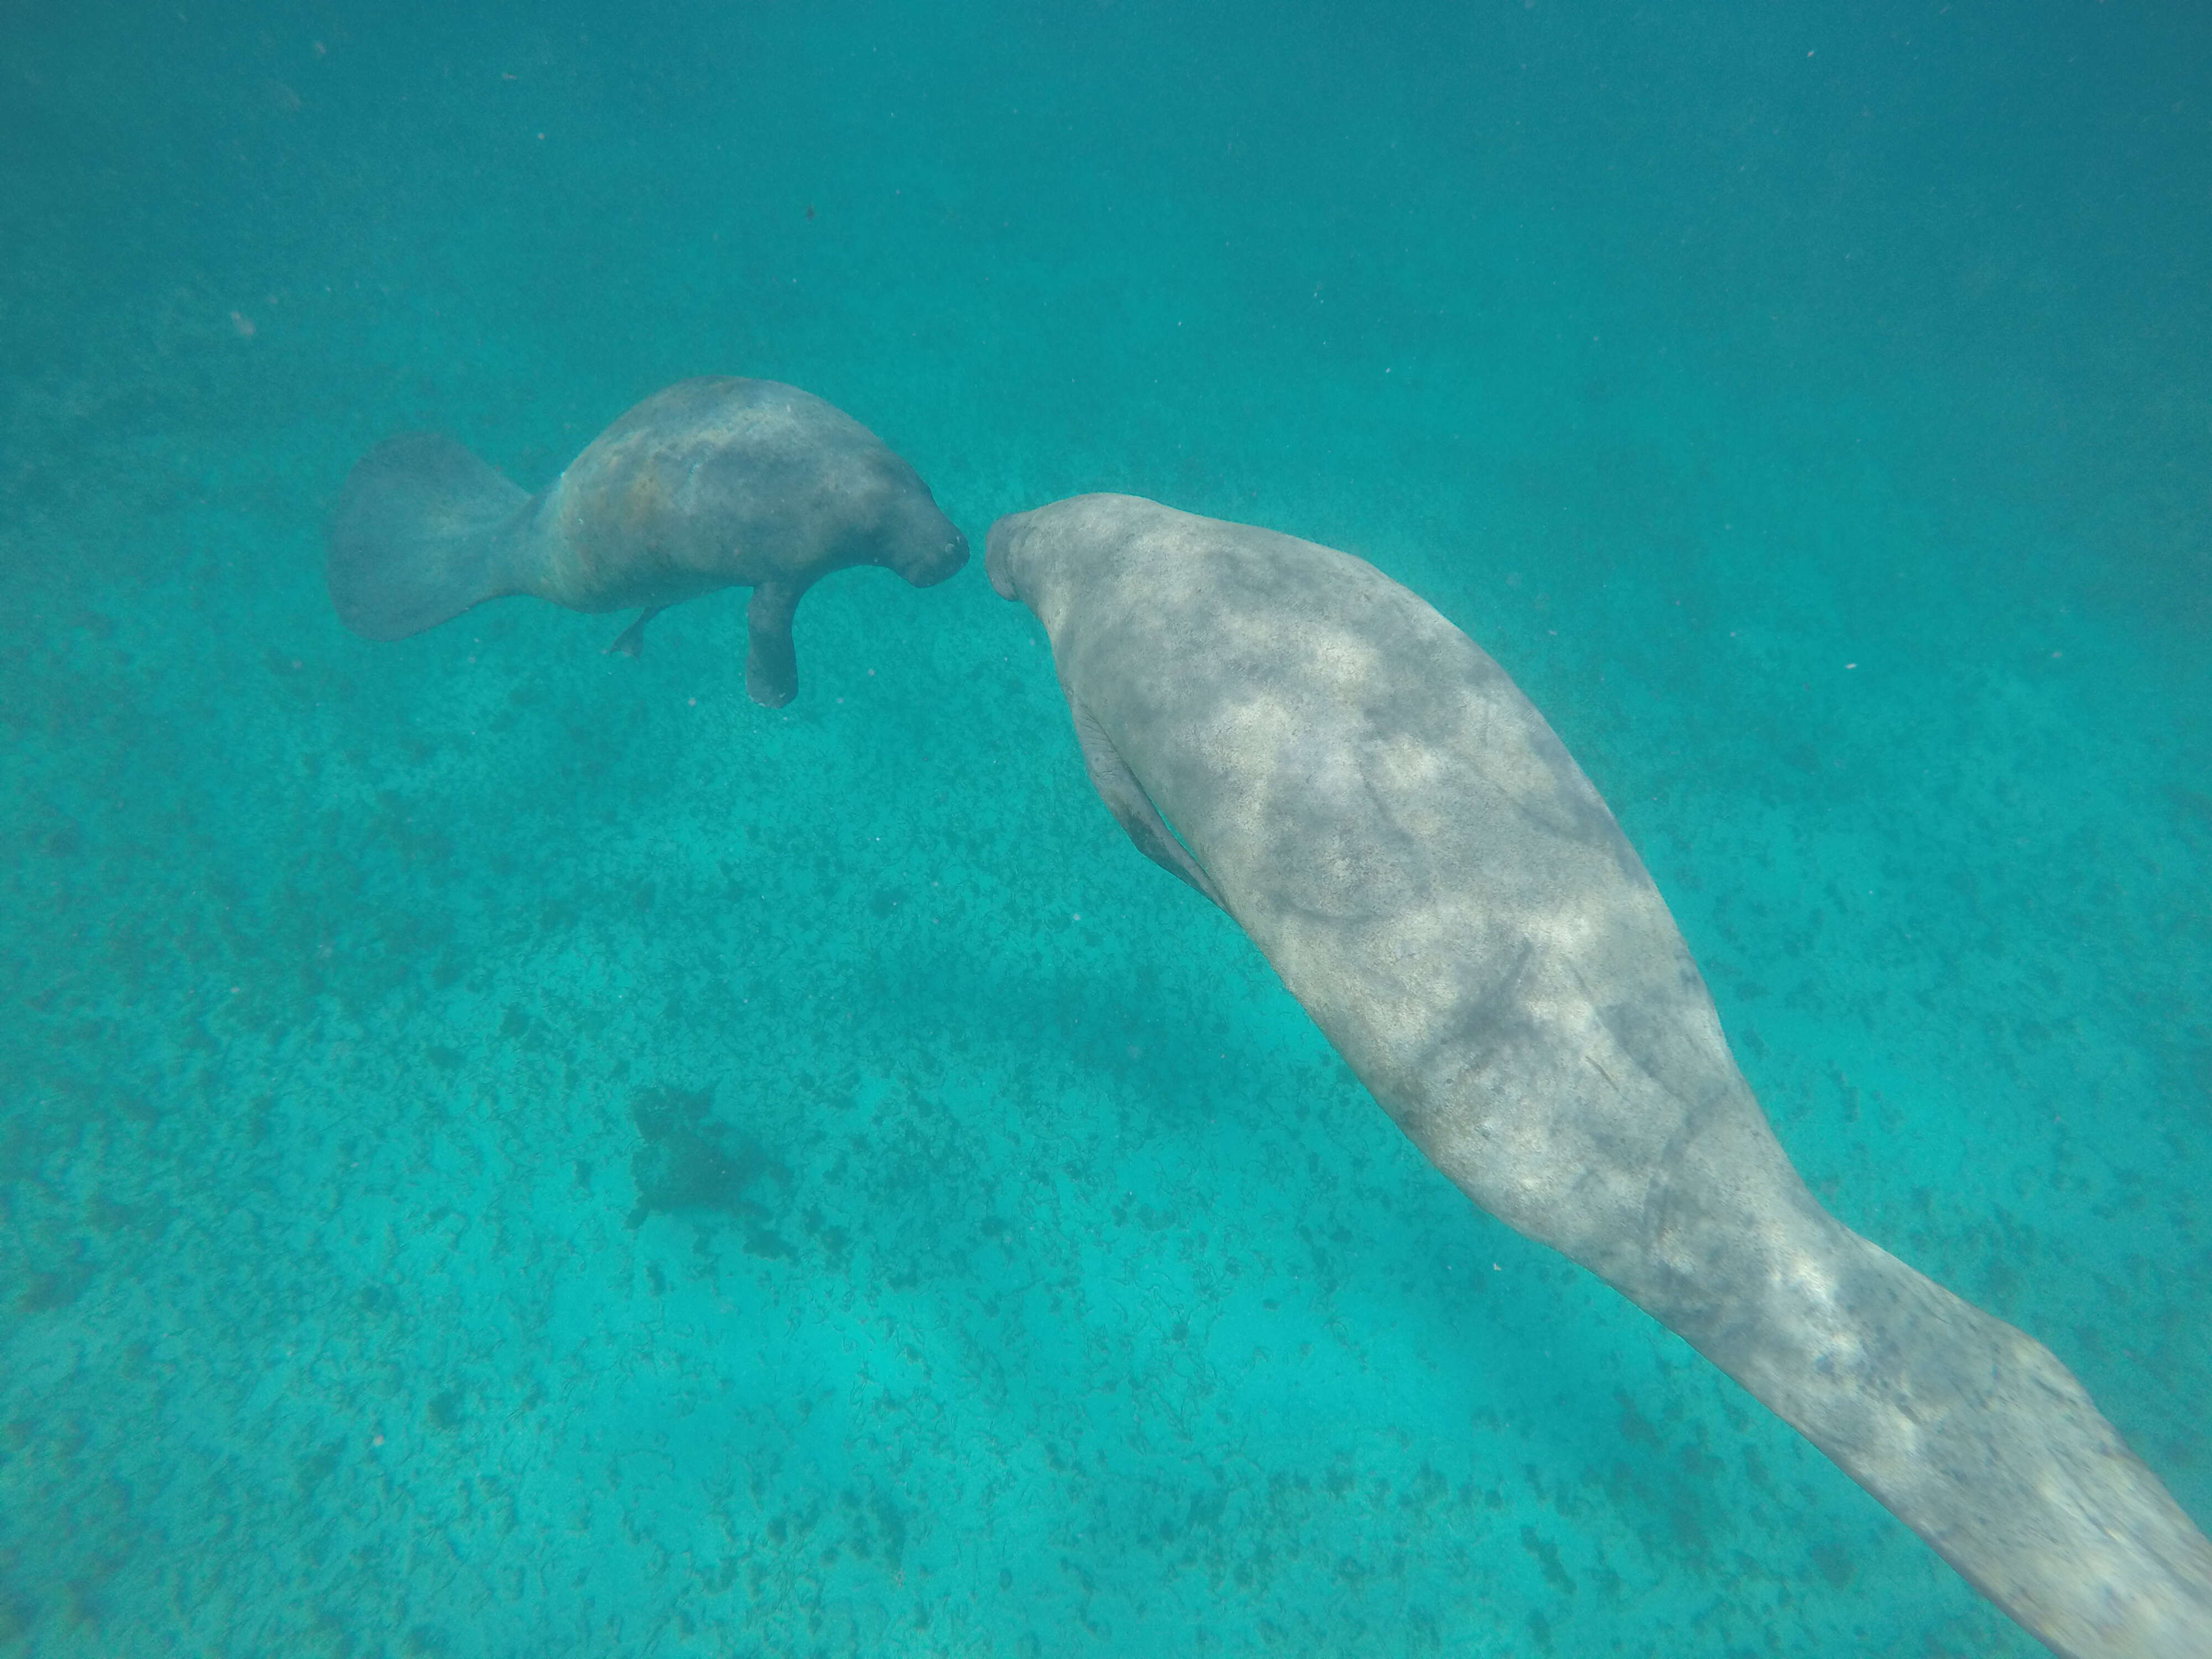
(708, 483)
(1396, 828)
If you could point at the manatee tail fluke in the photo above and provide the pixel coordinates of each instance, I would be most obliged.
(421, 533)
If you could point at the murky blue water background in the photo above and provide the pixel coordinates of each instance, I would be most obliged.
(510, 1151)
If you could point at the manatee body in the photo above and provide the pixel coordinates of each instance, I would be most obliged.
(1397, 828)
(711, 483)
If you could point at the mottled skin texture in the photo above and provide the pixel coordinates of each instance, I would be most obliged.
(711, 483)
(1397, 828)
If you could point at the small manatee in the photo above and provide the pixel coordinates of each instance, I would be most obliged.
(711, 483)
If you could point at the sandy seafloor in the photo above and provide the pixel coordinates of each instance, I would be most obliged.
(510, 1151)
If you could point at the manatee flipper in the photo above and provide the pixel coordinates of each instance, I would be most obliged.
(422, 533)
(631, 639)
(771, 659)
(1132, 807)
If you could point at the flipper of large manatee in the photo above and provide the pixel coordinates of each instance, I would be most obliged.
(1396, 828)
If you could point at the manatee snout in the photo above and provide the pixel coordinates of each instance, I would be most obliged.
(916, 537)
(1000, 547)
(943, 558)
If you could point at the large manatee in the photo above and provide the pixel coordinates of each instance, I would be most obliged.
(710, 482)
(1378, 805)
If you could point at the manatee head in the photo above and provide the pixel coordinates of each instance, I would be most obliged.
(1040, 556)
(1000, 548)
(907, 533)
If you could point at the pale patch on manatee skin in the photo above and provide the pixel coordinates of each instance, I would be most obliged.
(1398, 829)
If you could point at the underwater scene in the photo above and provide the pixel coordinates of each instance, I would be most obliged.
(513, 1147)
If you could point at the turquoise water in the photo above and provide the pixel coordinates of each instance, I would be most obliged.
(510, 1151)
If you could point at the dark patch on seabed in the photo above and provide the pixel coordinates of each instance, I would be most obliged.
(512, 1150)
(688, 1161)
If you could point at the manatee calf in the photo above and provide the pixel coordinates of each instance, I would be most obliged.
(712, 482)
(1396, 828)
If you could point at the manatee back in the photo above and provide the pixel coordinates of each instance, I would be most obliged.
(422, 533)
(1399, 831)
(719, 480)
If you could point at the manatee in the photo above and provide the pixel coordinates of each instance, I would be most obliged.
(710, 482)
(1371, 798)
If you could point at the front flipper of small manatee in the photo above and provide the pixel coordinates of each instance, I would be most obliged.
(631, 640)
(1132, 807)
(771, 659)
